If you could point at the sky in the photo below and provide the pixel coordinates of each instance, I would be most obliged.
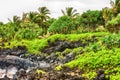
(9, 8)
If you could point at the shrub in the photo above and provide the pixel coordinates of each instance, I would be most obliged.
(114, 24)
(7, 32)
(90, 20)
(63, 25)
(92, 60)
(111, 41)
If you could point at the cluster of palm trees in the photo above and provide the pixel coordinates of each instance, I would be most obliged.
(40, 17)
(29, 20)
(35, 17)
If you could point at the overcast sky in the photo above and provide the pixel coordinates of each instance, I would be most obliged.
(8, 8)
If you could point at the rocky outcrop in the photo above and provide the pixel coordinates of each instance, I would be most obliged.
(59, 46)
(101, 76)
(7, 60)
(16, 58)
(15, 65)
(48, 75)
(16, 51)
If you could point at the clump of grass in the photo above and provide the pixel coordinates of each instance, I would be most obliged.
(33, 46)
(58, 68)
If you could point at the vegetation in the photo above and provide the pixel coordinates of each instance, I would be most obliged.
(63, 25)
(90, 20)
(70, 12)
(98, 30)
(114, 24)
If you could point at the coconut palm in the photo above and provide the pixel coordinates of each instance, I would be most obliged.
(44, 16)
(25, 17)
(34, 17)
(70, 12)
(43, 11)
(15, 22)
(115, 7)
(107, 14)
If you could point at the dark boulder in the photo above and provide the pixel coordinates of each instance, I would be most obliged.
(59, 46)
(101, 75)
(15, 61)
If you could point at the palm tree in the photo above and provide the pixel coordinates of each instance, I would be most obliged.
(43, 11)
(15, 22)
(34, 17)
(70, 12)
(107, 14)
(43, 14)
(16, 19)
(115, 7)
(25, 17)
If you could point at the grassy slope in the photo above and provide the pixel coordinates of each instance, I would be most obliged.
(102, 54)
(103, 59)
(34, 46)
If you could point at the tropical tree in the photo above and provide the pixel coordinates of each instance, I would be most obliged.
(107, 14)
(25, 17)
(15, 22)
(115, 7)
(70, 12)
(114, 24)
(44, 16)
(43, 11)
(34, 17)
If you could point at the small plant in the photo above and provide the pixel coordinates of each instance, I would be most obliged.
(58, 68)
(39, 73)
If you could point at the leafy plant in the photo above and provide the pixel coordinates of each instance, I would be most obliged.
(90, 19)
(114, 25)
(63, 25)
(111, 41)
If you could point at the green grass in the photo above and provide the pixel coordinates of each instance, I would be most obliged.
(33, 46)
(76, 37)
(36, 45)
(103, 59)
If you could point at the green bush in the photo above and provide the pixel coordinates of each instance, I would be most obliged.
(92, 60)
(63, 25)
(114, 24)
(90, 20)
(7, 32)
(111, 41)
(28, 34)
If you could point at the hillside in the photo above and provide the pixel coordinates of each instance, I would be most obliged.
(72, 47)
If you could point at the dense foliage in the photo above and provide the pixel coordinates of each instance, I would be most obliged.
(91, 19)
(114, 24)
(97, 30)
(63, 25)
